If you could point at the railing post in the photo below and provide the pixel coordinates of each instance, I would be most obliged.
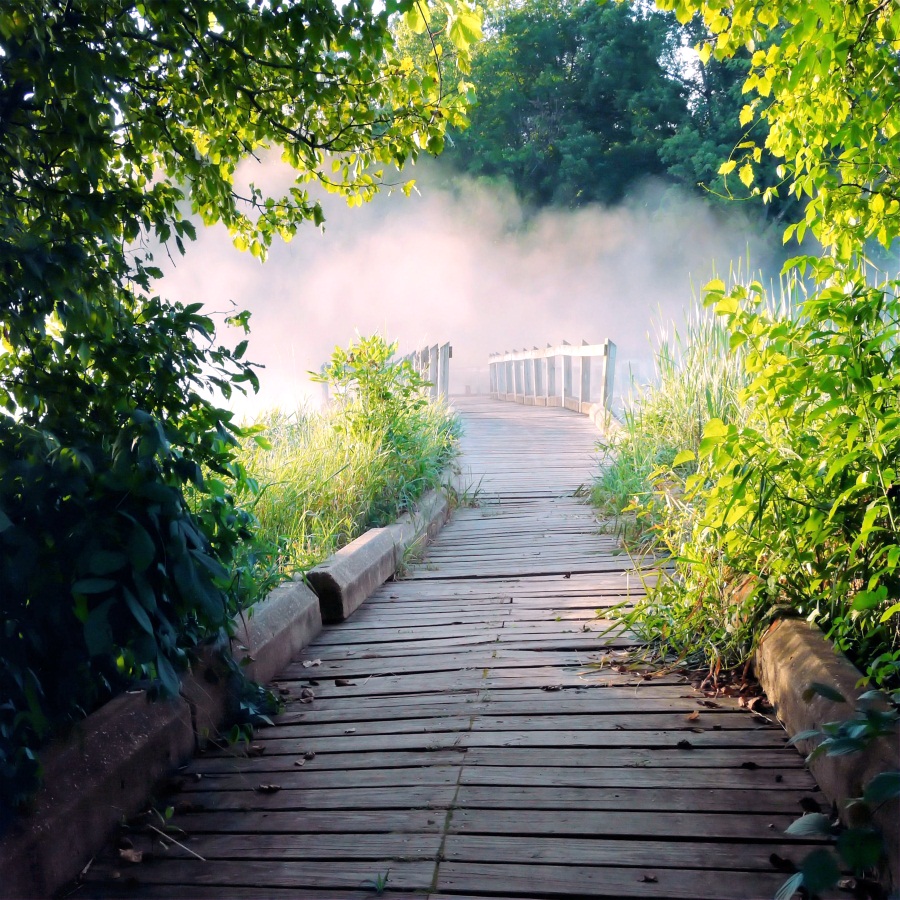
(510, 368)
(584, 393)
(609, 374)
(538, 376)
(550, 386)
(529, 378)
(520, 380)
(567, 376)
(446, 352)
(433, 370)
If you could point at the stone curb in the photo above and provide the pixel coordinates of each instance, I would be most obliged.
(793, 654)
(345, 580)
(107, 768)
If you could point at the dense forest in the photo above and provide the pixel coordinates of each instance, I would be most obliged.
(579, 102)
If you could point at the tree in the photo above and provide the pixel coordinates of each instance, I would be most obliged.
(821, 81)
(120, 543)
(574, 103)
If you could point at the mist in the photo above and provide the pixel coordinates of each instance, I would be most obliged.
(463, 262)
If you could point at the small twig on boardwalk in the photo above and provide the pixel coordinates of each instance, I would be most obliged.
(176, 843)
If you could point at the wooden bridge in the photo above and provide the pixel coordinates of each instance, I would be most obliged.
(469, 733)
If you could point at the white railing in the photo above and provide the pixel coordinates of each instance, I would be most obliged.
(433, 364)
(545, 377)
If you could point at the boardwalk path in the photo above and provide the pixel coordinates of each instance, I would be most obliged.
(466, 740)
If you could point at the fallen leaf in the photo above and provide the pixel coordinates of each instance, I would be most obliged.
(779, 778)
(753, 702)
(268, 788)
(551, 687)
(312, 682)
(394, 596)
(342, 682)
(131, 856)
(306, 695)
(692, 717)
(710, 704)
(349, 731)
(567, 575)
(780, 864)
(648, 879)
(310, 754)
(685, 745)
(299, 762)
(749, 765)
(807, 804)
(256, 750)
(284, 691)
(309, 663)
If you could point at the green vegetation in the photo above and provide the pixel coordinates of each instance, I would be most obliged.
(326, 477)
(121, 544)
(793, 505)
(578, 102)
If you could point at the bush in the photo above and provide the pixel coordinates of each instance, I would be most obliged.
(794, 505)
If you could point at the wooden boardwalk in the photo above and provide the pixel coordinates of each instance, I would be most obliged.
(467, 733)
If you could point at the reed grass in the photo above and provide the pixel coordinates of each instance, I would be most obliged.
(696, 378)
(322, 484)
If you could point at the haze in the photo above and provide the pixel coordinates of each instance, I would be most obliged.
(462, 262)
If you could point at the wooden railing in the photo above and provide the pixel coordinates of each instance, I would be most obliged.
(433, 364)
(545, 377)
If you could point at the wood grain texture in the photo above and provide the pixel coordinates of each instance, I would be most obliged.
(474, 731)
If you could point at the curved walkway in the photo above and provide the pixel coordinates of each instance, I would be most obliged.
(467, 733)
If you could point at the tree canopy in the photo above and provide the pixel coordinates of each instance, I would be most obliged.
(120, 542)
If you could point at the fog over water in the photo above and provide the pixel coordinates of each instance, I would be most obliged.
(461, 262)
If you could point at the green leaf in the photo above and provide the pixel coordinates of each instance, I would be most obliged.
(810, 825)
(685, 456)
(790, 887)
(820, 871)
(816, 688)
(883, 787)
(93, 585)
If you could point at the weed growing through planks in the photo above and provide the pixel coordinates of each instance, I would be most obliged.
(378, 884)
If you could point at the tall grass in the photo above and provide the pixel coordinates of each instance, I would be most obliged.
(696, 378)
(321, 486)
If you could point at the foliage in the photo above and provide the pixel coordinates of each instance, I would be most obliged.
(696, 378)
(386, 403)
(821, 83)
(801, 496)
(120, 542)
(574, 103)
(324, 481)
(859, 844)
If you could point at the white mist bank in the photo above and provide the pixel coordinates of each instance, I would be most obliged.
(461, 263)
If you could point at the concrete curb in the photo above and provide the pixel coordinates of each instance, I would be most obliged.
(99, 775)
(345, 580)
(107, 768)
(792, 655)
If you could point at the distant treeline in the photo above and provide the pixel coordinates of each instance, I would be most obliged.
(579, 102)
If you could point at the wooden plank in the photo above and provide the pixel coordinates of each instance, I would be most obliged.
(482, 879)
(263, 875)
(472, 713)
(571, 851)
(479, 771)
(614, 798)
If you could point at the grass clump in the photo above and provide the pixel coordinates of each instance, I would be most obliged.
(325, 477)
(696, 378)
(762, 463)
